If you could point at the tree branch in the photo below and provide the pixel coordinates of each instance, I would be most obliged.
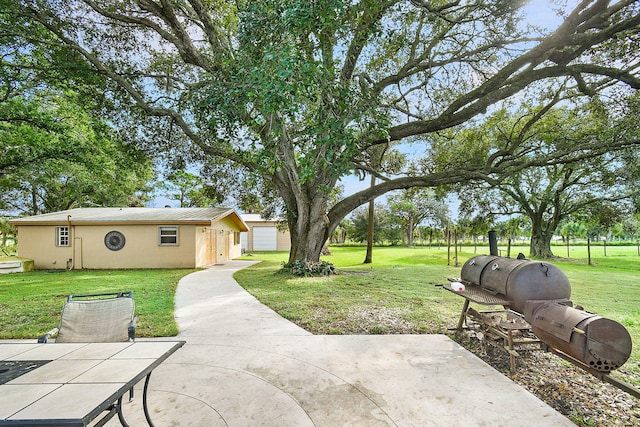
(370, 17)
(525, 70)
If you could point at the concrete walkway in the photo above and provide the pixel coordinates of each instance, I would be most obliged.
(245, 366)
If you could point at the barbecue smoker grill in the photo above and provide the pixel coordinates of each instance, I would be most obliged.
(541, 292)
(536, 294)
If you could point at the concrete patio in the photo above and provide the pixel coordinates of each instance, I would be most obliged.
(244, 365)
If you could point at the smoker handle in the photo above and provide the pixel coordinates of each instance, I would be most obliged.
(545, 268)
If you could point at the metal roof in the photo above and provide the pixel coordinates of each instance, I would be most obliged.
(257, 218)
(133, 215)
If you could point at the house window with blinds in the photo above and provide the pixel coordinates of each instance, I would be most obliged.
(168, 236)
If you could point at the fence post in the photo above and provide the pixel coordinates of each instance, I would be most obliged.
(455, 242)
(448, 246)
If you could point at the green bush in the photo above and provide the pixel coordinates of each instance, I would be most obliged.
(306, 268)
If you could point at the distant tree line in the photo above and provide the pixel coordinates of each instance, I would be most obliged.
(392, 228)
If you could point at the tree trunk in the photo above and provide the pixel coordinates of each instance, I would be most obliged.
(307, 219)
(34, 200)
(368, 259)
(410, 228)
(540, 246)
(309, 232)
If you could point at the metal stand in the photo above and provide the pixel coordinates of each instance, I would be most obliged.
(509, 327)
(144, 401)
(504, 325)
(120, 414)
(626, 387)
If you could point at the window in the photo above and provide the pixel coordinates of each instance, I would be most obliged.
(62, 236)
(168, 236)
(236, 238)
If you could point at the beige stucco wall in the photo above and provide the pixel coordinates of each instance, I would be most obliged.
(87, 249)
(284, 241)
(226, 248)
(198, 246)
(215, 244)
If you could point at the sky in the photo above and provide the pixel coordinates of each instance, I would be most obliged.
(538, 12)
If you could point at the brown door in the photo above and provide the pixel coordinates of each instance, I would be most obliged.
(211, 246)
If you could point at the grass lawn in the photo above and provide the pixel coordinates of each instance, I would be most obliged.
(30, 303)
(398, 290)
(396, 294)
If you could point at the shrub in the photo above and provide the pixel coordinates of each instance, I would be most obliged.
(305, 268)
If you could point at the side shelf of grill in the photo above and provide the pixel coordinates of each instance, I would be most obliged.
(478, 295)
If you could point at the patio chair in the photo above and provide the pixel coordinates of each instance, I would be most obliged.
(96, 318)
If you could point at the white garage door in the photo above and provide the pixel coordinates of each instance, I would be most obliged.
(265, 238)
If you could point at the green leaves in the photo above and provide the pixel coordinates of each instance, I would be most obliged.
(190, 190)
(294, 91)
(55, 155)
(306, 268)
(28, 134)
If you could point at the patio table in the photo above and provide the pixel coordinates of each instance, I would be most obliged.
(72, 384)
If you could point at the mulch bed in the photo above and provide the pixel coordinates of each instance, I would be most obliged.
(584, 399)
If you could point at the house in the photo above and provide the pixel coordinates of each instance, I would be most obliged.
(264, 235)
(103, 238)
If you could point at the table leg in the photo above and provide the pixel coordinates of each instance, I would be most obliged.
(120, 414)
(144, 401)
(144, 405)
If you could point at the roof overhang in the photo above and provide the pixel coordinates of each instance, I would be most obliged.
(133, 216)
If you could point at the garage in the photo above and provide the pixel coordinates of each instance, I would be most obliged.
(265, 238)
(264, 234)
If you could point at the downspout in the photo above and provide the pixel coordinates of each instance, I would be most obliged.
(71, 234)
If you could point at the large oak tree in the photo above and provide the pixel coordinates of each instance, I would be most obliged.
(294, 91)
(599, 145)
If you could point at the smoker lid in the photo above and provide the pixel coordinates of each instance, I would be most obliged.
(472, 269)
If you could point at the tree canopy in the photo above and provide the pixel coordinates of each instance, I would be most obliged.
(414, 206)
(294, 92)
(552, 193)
(76, 161)
(56, 150)
(189, 190)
